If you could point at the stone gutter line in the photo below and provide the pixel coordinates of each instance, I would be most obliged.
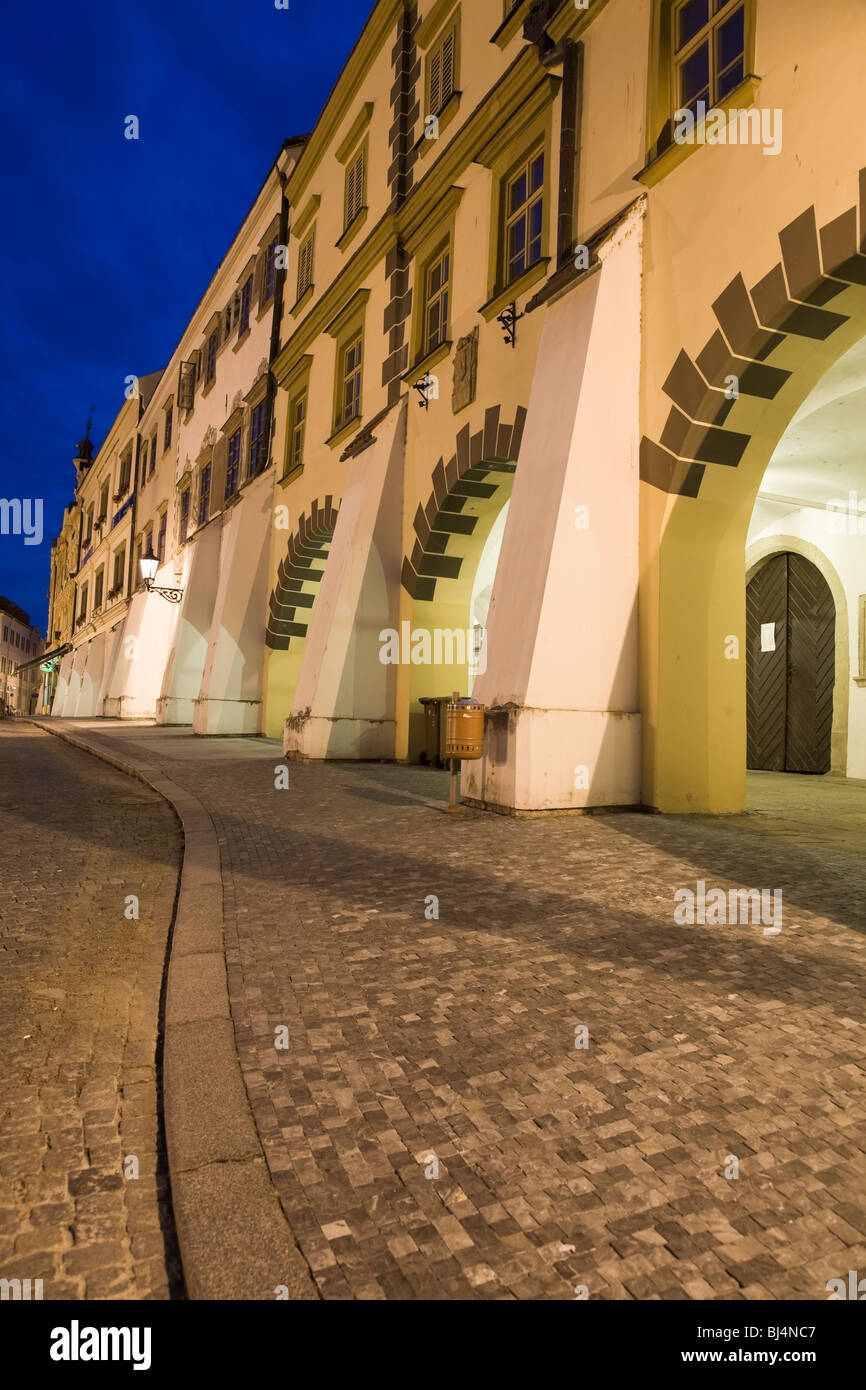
(235, 1242)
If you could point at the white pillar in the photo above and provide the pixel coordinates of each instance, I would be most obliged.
(562, 654)
(345, 700)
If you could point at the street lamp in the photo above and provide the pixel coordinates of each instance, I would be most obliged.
(149, 566)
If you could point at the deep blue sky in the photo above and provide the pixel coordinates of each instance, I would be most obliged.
(107, 244)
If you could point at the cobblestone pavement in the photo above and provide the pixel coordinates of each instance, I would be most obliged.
(79, 998)
(414, 1038)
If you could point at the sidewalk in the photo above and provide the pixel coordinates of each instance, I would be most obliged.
(431, 1128)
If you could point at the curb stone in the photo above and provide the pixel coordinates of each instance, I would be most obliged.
(234, 1241)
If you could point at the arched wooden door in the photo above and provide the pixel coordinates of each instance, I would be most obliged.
(790, 666)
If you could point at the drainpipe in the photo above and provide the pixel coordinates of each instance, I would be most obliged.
(129, 575)
(569, 154)
(277, 319)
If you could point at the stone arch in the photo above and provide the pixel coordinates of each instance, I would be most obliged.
(789, 302)
(702, 475)
(757, 555)
(481, 467)
(307, 547)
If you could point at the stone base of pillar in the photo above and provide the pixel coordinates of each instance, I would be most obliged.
(315, 738)
(226, 717)
(126, 707)
(539, 760)
(170, 710)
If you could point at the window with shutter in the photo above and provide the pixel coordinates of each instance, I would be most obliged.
(246, 305)
(305, 266)
(186, 385)
(441, 73)
(355, 180)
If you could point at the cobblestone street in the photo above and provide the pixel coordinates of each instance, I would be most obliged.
(421, 1045)
(79, 997)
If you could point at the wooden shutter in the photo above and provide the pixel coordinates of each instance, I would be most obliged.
(218, 473)
(186, 385)
(436, 82)
(259, 277)
(447, 69)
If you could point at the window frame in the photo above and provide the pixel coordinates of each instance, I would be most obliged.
(537, 149)
(705, 35)
(236, 434)
(662, 99)
(204, 493)
(350, 341)
(445, 249)
(260, 440)
(297, 431)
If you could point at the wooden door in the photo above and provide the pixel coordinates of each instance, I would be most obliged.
(790, 666)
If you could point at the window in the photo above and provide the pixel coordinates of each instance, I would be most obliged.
(103, 504)
(258, 437)
(82, 612)
(89, 535)
(166, 443)
(152, 466)
(437, 281)
(125, 475)
(350, 395)
(212, 343)
(137, 566)
(356, 185)
(204, 495)
(98, 588)
(183, 524)
(710, 49)
(246, 306)
(440, 73)
(305, 265)
(119, 566)
(298, 419)
(160, 540)
(270, 272)
(233, 464)
(524, 217)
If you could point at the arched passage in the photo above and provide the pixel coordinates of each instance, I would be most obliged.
(452, 532)
(731, 404)
(299, 575)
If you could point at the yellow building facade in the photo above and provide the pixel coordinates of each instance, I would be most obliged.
(566, 380)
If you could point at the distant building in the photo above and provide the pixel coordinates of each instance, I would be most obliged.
(21, 646)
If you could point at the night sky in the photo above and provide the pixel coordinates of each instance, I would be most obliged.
(108, 244)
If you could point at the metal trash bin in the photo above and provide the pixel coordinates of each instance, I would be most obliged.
(464, 730)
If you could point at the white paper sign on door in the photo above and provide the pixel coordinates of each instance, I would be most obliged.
(768, 637)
